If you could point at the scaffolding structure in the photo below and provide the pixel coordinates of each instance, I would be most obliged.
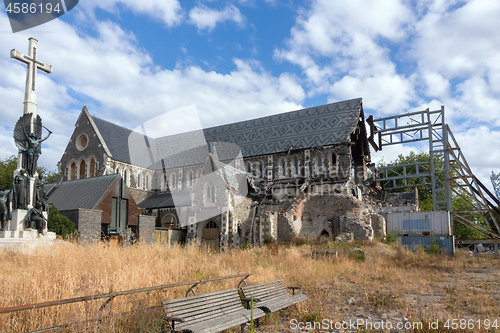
(495, 181)
(446, 172)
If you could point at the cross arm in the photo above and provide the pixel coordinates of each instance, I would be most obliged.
(28, 60)
(19, 56)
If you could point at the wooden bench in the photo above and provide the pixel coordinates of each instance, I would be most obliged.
(211, 312)
(272, 296)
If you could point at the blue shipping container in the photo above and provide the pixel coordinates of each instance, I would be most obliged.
(447, 243)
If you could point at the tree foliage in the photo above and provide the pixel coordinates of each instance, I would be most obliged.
(7, 168)
(424, 191)
(9, 165)
(58, 223)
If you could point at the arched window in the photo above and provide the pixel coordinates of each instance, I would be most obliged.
(117, 170)
(319, 164)
(146, 183)
(172, 181)
(249, 168)
(333, 163)
(82, 169)
(169, 221)
(261, 170)
(296, 166)
(282, 165)
(139, 180)
(125, 177)
(210, 193)
(190, 178)
(73, 171)
(92, 168)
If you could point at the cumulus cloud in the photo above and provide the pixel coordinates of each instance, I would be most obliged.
(167, 11)
(337, 45)
(458, 59)
(205, 18)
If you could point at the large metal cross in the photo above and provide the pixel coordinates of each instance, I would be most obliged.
(33, 65)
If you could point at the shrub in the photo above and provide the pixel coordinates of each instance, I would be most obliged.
(269, 240)
(59, 224)
(435, 248)
(391, 238)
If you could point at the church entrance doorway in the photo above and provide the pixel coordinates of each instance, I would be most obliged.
(210, 234)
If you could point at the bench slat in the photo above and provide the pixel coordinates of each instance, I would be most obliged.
(273, 295)
(182, 307)
(211, 312)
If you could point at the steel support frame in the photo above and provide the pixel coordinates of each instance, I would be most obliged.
(495, 181)
(447, 169)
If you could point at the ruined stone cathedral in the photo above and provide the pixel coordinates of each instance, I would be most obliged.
(294, 173)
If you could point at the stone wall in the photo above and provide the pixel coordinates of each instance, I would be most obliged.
(87, 222)
(329, 215)
(242, 214)
(75, 153)
(147, 229)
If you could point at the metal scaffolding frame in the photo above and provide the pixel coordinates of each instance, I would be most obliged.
(447, 171)
(495, 181)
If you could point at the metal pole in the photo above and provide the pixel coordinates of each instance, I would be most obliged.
(431, 161)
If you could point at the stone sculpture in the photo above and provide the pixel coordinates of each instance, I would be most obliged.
(5, 214)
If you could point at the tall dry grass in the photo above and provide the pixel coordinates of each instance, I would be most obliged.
(71, 270)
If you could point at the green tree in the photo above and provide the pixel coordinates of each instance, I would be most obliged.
(424, 191)
(58, 223)
(7, 168)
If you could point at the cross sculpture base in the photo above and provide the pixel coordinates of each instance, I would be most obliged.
(17, 237)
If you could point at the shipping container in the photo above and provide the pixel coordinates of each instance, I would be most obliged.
(419, 223)
(446, 243)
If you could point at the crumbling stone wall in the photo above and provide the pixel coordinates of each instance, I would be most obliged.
(330, 215)
(243, 214)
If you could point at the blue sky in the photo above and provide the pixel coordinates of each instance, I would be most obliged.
(129, 61)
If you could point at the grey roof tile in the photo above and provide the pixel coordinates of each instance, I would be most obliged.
(165, 200)
(82, 193)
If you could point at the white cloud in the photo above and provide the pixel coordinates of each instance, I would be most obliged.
(461, 42)
(167, 11)
(207, 18)
(338, 45)
(436, 85)
(389, 94)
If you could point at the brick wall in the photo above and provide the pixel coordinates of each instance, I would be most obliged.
(87, 222)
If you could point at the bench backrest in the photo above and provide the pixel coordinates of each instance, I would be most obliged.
(198, 308)
(266, 291)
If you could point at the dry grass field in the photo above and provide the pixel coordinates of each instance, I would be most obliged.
(386, 285)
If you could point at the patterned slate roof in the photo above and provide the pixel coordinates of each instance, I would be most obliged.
(312, 127)
(82, 193)
(116, 138)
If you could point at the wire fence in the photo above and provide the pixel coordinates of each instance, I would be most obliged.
(106, 306)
